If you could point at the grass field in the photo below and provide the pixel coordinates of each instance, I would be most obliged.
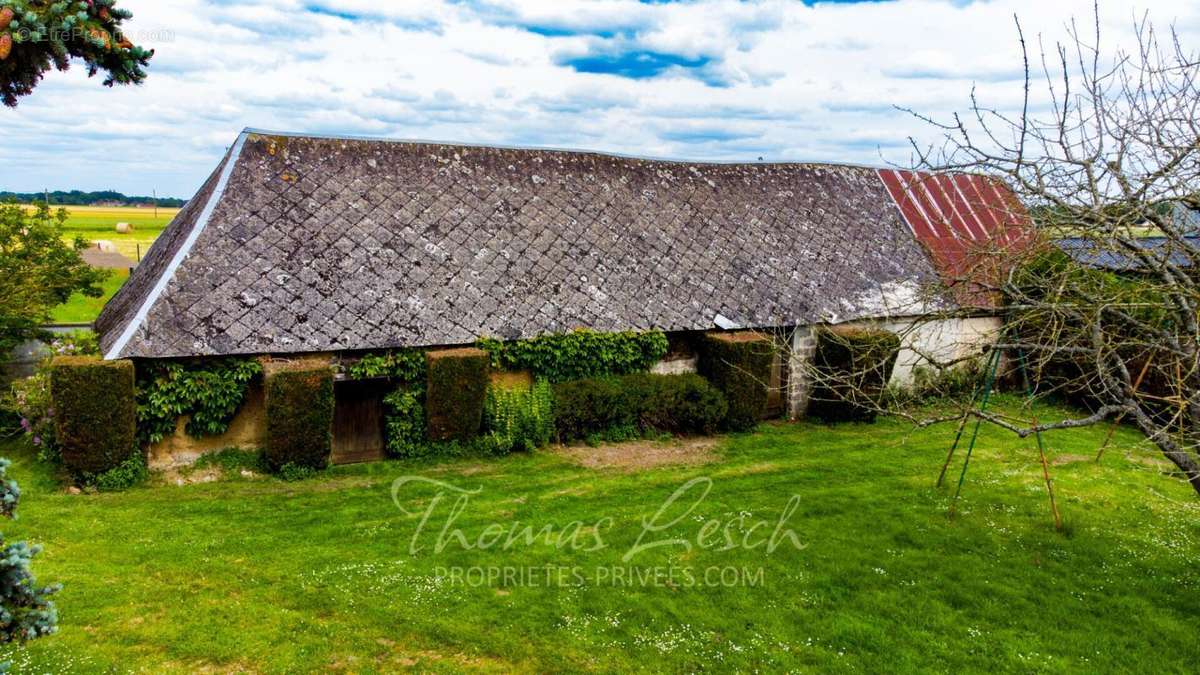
(82, 309)
(251, 574)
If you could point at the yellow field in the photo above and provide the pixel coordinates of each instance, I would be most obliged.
(95, 223)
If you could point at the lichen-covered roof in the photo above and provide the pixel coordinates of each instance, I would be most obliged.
(306, 244)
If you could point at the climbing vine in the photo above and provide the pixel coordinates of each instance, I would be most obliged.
(210, 391)
(407, 365)
(579, 354)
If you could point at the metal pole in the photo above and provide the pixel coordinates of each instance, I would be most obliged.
(987, 395)
(962, 425)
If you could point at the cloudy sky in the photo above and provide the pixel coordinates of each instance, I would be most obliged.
(701, 79)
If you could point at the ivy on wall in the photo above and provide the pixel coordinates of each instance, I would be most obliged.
(211, 391)
(407, 365)
(579, 354)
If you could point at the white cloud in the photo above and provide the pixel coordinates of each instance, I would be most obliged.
(718, 79)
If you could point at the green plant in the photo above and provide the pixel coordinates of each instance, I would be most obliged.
(232, 460)
(209, 391)
(630, 406)
(851, 368)
(454, 395)
(292, 472)
(686, 404)
(405, 422)
(739, 365)
(127, 474)
(933, 384)
(519, 419)
(75, 343)
(579, 354)
(406, 365)
(26, 611)
(29, 398)
(95, 413)
(299, 399)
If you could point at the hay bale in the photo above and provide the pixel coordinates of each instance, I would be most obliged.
(124, 228)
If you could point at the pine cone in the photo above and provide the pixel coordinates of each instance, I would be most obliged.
(104, 15)
(6, 43)
(6, 17)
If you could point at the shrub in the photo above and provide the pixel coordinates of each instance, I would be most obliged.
(619, 408)
(292, 472)
(586, 407)
(852, 367)
(299, 400)
(29, 398)
(95, 413)
(27, 610)
(210, 390)
(579, 354)
(405, 422)
(519, 419)
(456, 387)
(682, 404)
(935, 384)
(739, 366)
(127, 474)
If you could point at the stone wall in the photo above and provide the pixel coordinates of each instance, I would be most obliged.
(803, 346)
(247, 432)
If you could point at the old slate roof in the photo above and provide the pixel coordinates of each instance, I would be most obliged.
(307, 244)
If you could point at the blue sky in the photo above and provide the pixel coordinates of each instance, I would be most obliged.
(700, 79)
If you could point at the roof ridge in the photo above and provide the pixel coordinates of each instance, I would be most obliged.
(556, 149)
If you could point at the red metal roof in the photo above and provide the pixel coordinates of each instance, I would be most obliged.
(973, 227)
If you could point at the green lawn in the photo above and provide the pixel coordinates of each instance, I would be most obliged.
(82, 309)
(253, 574)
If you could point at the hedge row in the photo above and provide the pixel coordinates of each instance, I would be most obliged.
(685, 404)
(852, 367)
(95, 413)
(739, 365)
(456, 387)
(299, 401)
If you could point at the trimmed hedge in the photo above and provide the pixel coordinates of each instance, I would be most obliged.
(455, 392)
(637, 404)
(299, 399)
(853, 367)
(95, 412)
(739, 366)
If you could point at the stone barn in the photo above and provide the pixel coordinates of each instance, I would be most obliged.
(307, 245)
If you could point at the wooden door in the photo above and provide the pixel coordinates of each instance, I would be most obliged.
(358, 421)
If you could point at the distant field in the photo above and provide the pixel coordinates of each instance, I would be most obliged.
(99, 223)
(95, 223)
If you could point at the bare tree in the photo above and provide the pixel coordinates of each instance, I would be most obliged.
(1105, 152)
